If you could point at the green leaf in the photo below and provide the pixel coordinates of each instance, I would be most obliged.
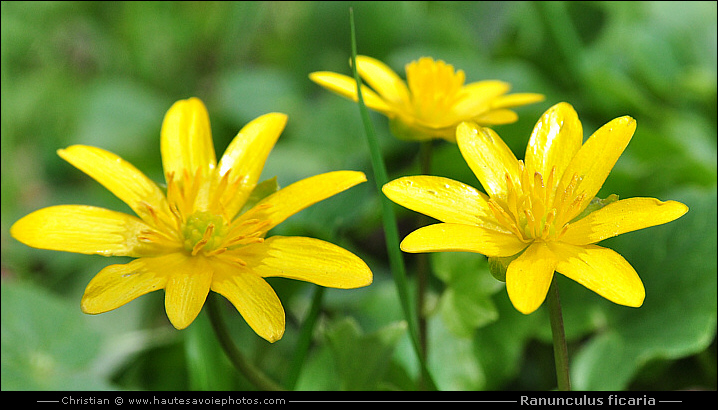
(362, 359)
(260, 191)
(499, 347)
(207, 365)
(451, 361)
(466, 302)
(596, 204)
(678, 266)
(463, 310)
(499, 265)
(46, 342)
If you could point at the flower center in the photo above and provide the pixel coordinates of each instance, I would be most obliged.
(203, 231)
(196, 219)
(434, 87)
(534, 208)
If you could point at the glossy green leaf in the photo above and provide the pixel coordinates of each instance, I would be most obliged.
(261, 191)
(499, 347)
(678, 317)
(466, 302)
(451, 360)
(362, 359)
(47, 343)
(84, 72)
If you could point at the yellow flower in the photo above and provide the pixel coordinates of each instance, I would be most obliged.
(433, 101)
(195, 238)
(537, 213)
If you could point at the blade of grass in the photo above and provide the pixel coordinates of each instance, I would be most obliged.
(422, 259)
(305, 339)
(391, 232)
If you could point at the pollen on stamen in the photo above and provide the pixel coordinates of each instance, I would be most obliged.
(237, 232)
(538, 179)
(205, 238)
(160, 223)
(177, 214)
(263, 206)
(563, 231)
(531, 225)
(504, 219)
(249, 222)
(550, 191)
(244, 240)
(219, 193)
(217, 251)
(185, 191)
(150, 210)
(574, 208)
(236, 260)
(176, 196)
(548, 224)
(561, 201)
(151, 237)
(512, 199)
(147, 237)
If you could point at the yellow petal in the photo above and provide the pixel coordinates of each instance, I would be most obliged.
(383, 80)
(555, 140)
(186, 139)
(253, 298)
(595, 159)
(309, 260)
(602, 270)
(623, 216)
(496, 117)
(120, 177)
(516, 100)
(245, 157)
(116, 285)
(347, 87)
(187, 288)
(440, 198)
(289, 200)
(529, 276)
(411, 128)
(476, 97)
(82, 229)
(445, 237)
(488, 157)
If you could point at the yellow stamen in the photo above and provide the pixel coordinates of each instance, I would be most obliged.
(205, 238)
(236, 260)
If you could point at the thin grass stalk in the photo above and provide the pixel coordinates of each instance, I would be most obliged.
(391, 232)
(305, 338)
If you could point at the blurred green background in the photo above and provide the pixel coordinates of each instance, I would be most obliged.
(104, 74)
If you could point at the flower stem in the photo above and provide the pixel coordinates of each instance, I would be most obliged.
(252, 373)
(391, 231)
(422, 265)
(560, 352)
(305, 338)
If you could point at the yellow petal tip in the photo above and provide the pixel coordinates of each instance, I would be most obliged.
(178, 321)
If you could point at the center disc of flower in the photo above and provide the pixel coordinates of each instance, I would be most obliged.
(534, 208)
(434, 87)
(203, 231)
